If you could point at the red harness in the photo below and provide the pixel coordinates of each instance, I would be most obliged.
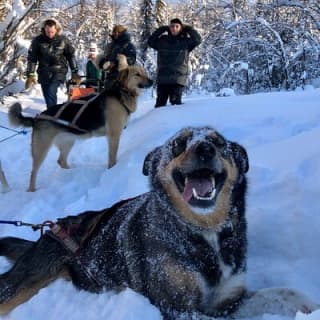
(74, 232)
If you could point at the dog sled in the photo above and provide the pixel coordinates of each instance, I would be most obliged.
(85, 87)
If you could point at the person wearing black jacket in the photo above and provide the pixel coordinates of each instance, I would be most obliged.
(120, 44)
(52, 52)
(173, 43)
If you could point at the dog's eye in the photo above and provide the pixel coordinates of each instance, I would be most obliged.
(138, 74)
(217, 140)
(178, 146)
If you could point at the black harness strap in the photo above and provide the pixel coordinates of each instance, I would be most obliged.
(66, 231)
(55, 118)
(60, 121)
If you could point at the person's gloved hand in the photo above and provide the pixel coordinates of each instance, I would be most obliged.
(106, 66)
(186, 27)
(30, 82)
(75, 77)
(163, 29)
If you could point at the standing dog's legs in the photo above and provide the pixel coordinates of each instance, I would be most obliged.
(41, 143)
(113, 150)
(64, 147)
(113, 145)
(44, 262)
(3, 180)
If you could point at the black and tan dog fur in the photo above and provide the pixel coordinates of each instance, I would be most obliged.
(182, 244)
(107, 115)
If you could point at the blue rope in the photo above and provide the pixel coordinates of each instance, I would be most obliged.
(17, 133)
(16, 223)
(10, 129)
(35, 227)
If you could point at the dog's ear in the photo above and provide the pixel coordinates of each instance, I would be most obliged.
(151, 160)
(241, 157)
(122, 62)
(123, 76)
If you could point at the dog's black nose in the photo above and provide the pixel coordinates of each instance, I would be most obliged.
(205, 151)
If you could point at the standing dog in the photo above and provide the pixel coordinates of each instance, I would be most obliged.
(107, 114)
(4, 183)
(183, 244)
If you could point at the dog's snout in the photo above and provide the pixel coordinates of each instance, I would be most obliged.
(205, 151)
(147, 83)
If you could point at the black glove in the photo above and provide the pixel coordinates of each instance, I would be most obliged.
(186, 28)
(163, 29)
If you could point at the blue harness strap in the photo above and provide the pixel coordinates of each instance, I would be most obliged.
(15, 223)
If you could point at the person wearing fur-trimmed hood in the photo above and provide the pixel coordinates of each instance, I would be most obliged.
(49, 55)
(120, 44)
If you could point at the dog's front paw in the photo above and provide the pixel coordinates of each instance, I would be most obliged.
(280, 301)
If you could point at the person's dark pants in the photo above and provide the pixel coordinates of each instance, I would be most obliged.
(49, 91)
(171, 91)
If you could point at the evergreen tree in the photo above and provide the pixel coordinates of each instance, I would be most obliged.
(248, 46)
(146, 27)
(12, 28)
(161, 9)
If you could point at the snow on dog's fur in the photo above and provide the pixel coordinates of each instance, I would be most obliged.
(182, 244)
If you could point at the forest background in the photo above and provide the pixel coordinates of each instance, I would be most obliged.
(248, 46)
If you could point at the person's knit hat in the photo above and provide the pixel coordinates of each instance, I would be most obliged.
(119, 28)
(176, 20)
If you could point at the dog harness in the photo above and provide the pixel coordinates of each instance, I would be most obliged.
(74, 232)
(83, 102)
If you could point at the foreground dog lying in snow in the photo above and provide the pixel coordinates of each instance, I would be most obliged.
(106, 114)
(183, 244)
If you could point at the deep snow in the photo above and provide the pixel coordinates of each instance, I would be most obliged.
(281, 132)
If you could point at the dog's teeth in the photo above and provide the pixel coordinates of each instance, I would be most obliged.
(213, 193)
(195, 194)
(213, 182)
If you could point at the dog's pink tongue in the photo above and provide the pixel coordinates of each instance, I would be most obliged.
(203, 186)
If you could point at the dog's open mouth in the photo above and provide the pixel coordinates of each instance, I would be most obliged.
(199, 188)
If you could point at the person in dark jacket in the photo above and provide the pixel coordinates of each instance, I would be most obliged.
(173, 43)
(120, 44)
(93, 73)
(52, 52)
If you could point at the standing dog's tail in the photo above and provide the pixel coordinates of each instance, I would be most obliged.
(17, 119)
(12, 248)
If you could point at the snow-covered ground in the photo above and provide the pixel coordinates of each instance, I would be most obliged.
(281, 132)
